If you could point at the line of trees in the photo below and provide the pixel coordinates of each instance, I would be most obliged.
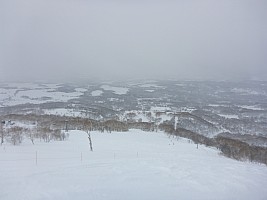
(229, 147)
(16, 134)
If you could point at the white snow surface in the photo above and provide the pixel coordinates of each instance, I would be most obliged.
(132, 165)
(247, 91)
(116, 90)
(96, 93)
(215, 105)
(80, 89)
(23, 93)
(251, 107)
(150, 90)
(229, 116)
(187, 109)
(36, 96)
(148, 85)
(159, 108)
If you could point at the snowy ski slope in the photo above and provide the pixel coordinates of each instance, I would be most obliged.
(131, 165)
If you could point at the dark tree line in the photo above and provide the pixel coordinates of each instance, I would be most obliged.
(240, 150)
(229, 147)
(144, 126)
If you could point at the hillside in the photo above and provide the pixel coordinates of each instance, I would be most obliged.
(129, 165)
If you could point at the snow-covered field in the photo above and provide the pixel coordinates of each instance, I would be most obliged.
(151, 86)
(247, 91)
(115, 90)
(35, 94)
(132, 165)
(96, 93)
(251, 107)
(229, 116)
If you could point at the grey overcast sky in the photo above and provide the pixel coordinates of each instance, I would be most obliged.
(133, 39)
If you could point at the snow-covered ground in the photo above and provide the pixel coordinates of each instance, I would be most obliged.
(251, 107)
(116, 90)
(247, 91)
(80, 89)
(160, 108)
(186, 109)
(151, 86)
(96, 93)
(35, 93)
(132, 165)
(229, 116)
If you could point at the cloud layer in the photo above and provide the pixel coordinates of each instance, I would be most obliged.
(67, 39)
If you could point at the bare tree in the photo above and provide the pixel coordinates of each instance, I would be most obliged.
(90, 141)
(2, 132)
(16, 135)
(32, 135)
(88, 126)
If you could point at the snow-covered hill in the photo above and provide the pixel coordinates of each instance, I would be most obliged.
(131, 165)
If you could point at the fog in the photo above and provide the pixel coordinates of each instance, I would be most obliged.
(115, 39)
